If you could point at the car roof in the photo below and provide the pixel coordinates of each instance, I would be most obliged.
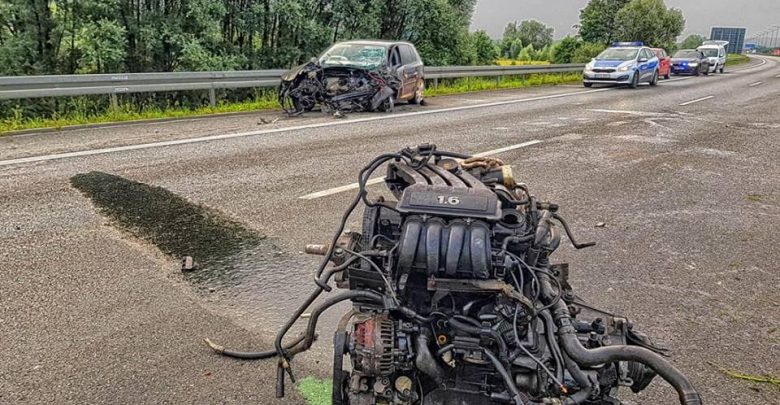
(375, 42)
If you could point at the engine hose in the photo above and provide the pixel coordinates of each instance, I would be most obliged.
(567, 336)
(518, 397)
(586, 386)
(251, 355)
(311, 327)
(549, 335)
(271, 353)
(425, 361)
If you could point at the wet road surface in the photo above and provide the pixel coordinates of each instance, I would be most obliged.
(687, 185)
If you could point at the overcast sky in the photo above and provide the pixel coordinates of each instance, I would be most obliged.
(700, 15)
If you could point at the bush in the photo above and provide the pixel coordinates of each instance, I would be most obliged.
(587, 51)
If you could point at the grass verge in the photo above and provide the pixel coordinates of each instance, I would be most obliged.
(459, 86)
(127, 112)
(316, 391)
(734, 59)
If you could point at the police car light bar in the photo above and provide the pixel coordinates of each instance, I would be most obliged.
(619, 44)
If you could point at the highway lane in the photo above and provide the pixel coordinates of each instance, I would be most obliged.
(689, 195)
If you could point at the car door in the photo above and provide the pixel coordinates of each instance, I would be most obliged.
(395, 66)
(646, 66)
(704, 62)
(411, 67)
(664, 61)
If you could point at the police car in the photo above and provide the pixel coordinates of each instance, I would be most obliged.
(625, 63)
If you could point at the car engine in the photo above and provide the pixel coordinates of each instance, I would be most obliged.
(456, 299)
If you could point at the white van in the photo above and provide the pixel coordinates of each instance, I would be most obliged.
(715, 51)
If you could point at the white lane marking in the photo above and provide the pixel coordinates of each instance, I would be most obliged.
(697, 100)
(755, 84)
(778, 76)
(336, 190)
(115, 149)
(640, 113)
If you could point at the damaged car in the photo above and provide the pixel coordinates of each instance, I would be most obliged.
(355, 76)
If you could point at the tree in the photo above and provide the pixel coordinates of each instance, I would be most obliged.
(102, 45)
(692, 41)
(529, 32)
(587, 51)
(485, 48)
(563, 51)
(651, 22)
(597, 20)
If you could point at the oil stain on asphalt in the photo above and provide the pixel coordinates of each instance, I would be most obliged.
(243, 272)
(175, 225)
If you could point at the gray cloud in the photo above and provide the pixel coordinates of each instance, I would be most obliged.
(700, 15)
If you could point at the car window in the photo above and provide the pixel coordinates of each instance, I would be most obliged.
(407, 55)
(687, 54)
(395, 57)
(618, 54)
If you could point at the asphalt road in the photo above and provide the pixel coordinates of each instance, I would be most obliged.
(687, 184)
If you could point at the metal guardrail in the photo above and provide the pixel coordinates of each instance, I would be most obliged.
(12, 87)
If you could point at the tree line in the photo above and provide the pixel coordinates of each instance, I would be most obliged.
(106, 36)
(102, 36)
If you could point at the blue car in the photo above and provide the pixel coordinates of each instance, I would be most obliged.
(625, 63)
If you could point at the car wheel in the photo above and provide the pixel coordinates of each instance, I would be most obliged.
(419, 95)
(654, 80)
(587, 84)
(634, 81)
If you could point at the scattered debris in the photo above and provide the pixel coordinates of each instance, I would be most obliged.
(600, 224)
(188, 264)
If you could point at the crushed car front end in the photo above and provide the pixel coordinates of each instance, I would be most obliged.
(349, 77)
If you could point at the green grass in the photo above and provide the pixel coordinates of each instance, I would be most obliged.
(734, 59)
(127, 112)
(515, 62)
(316, 391)
(481, 84)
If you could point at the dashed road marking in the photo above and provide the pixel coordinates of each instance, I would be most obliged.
(696, 101)
(91, 152)
(627, 112)
(353, 186)
(755, 84)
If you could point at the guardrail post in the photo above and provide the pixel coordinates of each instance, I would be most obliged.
(436, 83)
(114, 102)
(212, 97)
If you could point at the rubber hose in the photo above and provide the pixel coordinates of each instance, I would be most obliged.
(586, 386)
(567, 336)
(518, 397)
(549, 335)
(425, 361)
(251, 355)
(315, 314)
